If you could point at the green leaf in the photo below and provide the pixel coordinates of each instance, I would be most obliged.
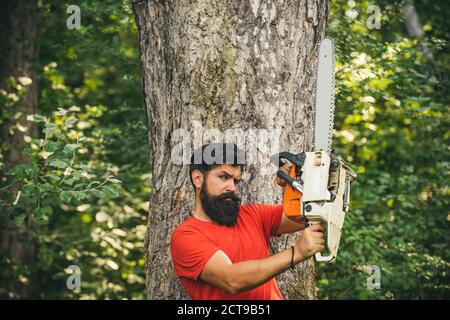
(65, 196)
(50, 128)
(27, 170)
(43, 211)
(69, 148)
(38, 118)
(68, 181)
(28, 151)
(77, 174)
(97, 193)
(31, 171)
(79, 185)
(110, 191)
(50, 146)
(62, 112)
(58, 164)
(29, 188)
(45, 188)
(82, 167)
(18, 217)
(70, 121)
(53, 177)
(79, 195)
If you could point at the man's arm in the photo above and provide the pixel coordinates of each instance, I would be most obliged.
(289, 226)
(242, 276)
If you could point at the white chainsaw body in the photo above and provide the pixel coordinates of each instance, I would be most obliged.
(326, 196)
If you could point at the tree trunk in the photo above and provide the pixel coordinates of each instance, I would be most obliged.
(412, 21)
(247, 65)
(414, 27)
(19, 51)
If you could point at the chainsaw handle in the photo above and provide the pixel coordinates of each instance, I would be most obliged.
(318, 255)
(283, 175)
(294, 184)
(297, 159)
(320, 258)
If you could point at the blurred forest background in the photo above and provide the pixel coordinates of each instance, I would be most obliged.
(80, 195)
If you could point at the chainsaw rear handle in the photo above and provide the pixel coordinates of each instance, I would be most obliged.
(318, 255)
(320, 258)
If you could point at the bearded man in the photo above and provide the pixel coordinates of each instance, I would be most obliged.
(221, 251)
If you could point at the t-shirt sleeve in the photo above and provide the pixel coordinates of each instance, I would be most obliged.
(270, 215)
(190, 250)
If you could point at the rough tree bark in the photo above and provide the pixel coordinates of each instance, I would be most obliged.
(225, 64)
(19, 51)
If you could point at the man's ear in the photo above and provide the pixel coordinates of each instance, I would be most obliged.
(197, 178)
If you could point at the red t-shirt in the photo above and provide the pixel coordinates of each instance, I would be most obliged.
(195, 241)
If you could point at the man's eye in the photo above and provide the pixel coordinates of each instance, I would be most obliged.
(223, 177)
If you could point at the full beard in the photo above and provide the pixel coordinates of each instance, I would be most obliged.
(220, 210)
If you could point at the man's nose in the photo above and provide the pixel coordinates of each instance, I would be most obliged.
(231, 187)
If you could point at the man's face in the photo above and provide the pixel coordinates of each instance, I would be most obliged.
(219, 194)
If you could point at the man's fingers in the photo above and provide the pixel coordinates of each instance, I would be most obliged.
(316, 227)
(318, 235)
(320, 248)
(286, 168)
(320, 241)
(280, 182)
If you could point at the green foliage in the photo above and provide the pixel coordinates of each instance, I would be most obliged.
(84, 189)
(392, 124)
(53, 172)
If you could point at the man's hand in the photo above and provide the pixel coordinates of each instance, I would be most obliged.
(310, 242)
(286, 168)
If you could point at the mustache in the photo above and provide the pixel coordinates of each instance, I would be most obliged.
(230, 195)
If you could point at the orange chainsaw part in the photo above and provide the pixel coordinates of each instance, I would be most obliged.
(292, 199)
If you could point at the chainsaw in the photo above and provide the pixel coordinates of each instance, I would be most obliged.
(318, 182)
